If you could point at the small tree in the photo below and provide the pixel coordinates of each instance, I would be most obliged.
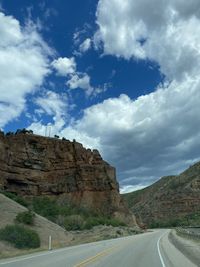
(26, 217)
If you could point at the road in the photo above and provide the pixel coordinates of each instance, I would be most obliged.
(151, 249)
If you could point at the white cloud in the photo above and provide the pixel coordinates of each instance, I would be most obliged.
(64, 66)
(130, 188)
(165, 32)
(23, 65)
(80, 80)
(75, 80)
(54, 105)
(71, 133)
(85, 46)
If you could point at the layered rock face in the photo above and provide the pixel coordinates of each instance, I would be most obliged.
(170, 198)
(32, 165)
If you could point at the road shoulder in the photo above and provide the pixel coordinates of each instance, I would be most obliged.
(190, 248)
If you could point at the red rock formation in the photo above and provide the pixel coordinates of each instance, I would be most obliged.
(32, 165)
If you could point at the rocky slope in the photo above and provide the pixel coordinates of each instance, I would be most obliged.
(32, 165)
(169, 199)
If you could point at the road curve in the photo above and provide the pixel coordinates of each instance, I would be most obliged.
(151, 249)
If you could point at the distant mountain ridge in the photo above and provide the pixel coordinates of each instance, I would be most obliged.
(171, 199)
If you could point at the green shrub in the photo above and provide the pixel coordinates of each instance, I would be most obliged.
(74, 222)
(26, 217)
(91, 222)
(20, 236)
(46, 207)
(16, 198)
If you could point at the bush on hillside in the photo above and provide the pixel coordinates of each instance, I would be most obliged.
(46, 207)
(74, 223)
(26, 217)
(20, 236)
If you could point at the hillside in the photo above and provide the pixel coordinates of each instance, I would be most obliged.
(173, 200)
(9, 210)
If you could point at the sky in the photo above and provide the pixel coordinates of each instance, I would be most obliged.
(120, 76)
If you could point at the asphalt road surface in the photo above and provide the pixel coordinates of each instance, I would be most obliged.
(151, 249)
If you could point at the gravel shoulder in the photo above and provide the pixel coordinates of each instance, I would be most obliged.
(190, 248)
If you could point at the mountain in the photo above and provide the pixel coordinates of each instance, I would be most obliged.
(171, 201)
(33, 166)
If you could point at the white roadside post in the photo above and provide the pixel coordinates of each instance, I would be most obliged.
(50, 243)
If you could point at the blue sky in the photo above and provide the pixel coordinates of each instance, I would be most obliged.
(118, 75)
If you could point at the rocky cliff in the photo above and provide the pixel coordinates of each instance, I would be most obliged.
(32, 165)
(169, 199)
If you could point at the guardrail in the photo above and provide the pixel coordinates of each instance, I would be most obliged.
(188, 233)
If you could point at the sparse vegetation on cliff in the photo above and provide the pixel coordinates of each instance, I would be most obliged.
(171, 201)
(71, 217)
(189, 220)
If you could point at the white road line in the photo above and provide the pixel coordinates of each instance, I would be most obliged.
(26, 258)
(22, 258)
(159, 253)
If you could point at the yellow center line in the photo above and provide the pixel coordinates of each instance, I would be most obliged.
(101, 254)
(94, 258)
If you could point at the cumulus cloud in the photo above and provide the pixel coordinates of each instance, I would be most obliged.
(80, 80)
(165, 32)
(64, 66)
(67, 67)
(23, 65)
